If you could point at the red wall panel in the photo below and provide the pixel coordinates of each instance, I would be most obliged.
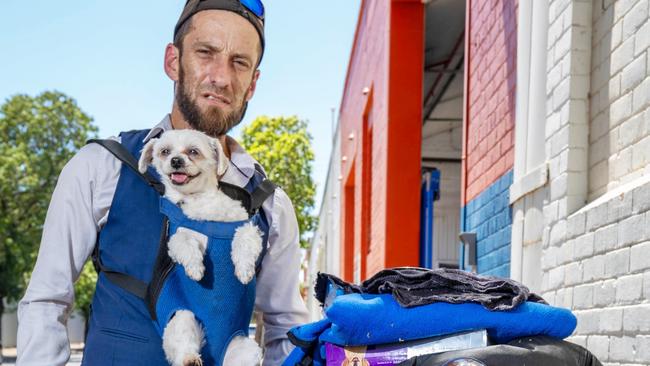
(491, 58)
(382, 103)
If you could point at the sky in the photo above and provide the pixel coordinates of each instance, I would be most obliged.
(108, 55)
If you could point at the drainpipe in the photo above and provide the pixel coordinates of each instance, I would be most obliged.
(430, 193)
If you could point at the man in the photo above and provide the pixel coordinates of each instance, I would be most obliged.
(213, 62)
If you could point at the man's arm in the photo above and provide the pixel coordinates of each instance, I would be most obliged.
(78, 208)
(278, 296)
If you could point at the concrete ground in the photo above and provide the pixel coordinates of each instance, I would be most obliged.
(9, 355)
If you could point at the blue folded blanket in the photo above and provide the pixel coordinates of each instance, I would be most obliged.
(364, 319)
(309, 350)
(360, 319)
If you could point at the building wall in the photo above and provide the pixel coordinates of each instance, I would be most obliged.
(489, 146)
(381, 139)
(619, 126)
(445, 143)
(491, 93)
(325, 251)
(596, 257)
(603, 274)
(529, 190)
(372, 20)
(446, 215)
(489, 215)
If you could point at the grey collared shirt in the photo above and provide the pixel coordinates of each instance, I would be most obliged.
(79, 209)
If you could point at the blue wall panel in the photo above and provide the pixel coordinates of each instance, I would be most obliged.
(489, 215)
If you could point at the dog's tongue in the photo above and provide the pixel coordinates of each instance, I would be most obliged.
(179, 178)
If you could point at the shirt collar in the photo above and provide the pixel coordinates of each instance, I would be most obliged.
(240, 160)
(162, 126)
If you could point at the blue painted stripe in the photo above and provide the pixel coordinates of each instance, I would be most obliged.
(489, 215)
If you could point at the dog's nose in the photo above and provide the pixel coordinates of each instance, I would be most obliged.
(177, 162)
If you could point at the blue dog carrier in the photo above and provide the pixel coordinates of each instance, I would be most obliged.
(139, 287)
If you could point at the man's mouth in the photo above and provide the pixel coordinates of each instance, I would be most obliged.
(180, 179)
(216, 98)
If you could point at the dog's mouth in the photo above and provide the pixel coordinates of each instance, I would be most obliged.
(180, 178)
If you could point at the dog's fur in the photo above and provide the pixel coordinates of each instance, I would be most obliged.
(189, 164)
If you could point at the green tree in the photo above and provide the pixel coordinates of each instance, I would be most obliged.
(282, 146)
(38, 135)
(84, 290)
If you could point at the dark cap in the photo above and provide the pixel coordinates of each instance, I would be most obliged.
(194, 6)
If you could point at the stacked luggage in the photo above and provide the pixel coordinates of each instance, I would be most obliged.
(416, 316)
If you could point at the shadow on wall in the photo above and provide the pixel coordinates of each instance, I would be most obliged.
(508, 10)
(619, 133)
(605, 102)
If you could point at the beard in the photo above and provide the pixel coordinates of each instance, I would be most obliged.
(213, 121)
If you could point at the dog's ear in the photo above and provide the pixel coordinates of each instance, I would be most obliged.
(220, 156)
(146, 157)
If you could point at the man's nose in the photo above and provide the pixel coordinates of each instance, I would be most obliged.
(177, 162)
(220, 73)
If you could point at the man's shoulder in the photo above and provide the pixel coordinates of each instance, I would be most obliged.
(92, 152)
(282, 205)
(93, 158)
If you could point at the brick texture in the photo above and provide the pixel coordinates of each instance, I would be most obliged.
(491, 98)
(380, 225)
(489, 215)
(597, 250)
(620, 95)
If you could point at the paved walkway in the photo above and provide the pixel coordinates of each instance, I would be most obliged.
(9, 356)
(75, 360)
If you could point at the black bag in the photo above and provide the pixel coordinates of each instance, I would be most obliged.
(528, 351)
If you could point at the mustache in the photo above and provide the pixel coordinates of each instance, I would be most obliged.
(225, 92)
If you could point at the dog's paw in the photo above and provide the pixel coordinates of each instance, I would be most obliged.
(246, 247)
(242, 351)
(195, 271)
(187, 247)
(244, 275)
(193, 360)
(182, 339)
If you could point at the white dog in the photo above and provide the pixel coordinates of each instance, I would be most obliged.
(189, 164)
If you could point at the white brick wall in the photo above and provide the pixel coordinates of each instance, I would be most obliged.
(619, 94)
(606, 278)
(596, 256)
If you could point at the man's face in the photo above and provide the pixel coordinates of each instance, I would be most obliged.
(216, 70)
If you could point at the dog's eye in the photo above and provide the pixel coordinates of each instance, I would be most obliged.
(164, 152)
(194, 152)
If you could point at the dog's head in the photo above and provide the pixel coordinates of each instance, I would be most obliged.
(187, 161)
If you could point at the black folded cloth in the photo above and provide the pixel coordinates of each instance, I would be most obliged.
(412, 286)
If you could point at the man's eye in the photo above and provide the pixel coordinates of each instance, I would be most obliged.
(164, 152)
(241, 64)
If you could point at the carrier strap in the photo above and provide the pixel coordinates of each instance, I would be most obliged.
(263, 191)
(123, 280)
(122, 154)
(127, 282)
(161, 268)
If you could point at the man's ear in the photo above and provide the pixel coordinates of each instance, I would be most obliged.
(146, 157)
(251, 89)
(172, 61)
(220, 156)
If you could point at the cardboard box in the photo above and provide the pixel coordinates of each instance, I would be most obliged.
(393, 354)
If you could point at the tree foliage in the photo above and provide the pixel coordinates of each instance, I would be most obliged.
(282, 146)
(38, 135)
(84, 289)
